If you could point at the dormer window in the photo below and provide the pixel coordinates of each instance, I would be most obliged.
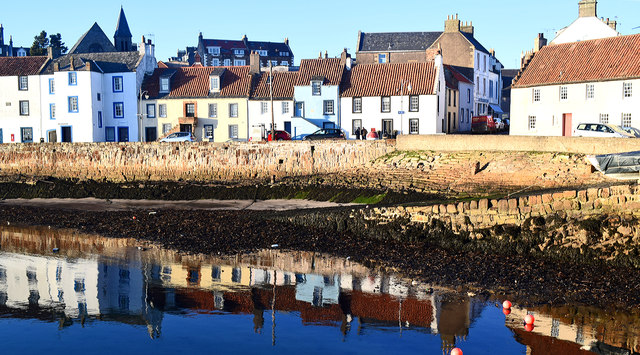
(213, 51)
(214, 82)
(316, 87)
(238, 52)
(164, 85)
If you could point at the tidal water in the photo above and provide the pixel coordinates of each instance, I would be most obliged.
(62, 292)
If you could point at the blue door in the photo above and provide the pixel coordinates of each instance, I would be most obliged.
(287, 126)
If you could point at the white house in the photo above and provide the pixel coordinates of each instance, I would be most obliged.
(567, 84)
(587, 26)
(93, 97)
(459, 99)
(281, 88)
(20, 99)
(394, 98)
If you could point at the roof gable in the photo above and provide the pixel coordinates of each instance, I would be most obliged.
(397, 41)
(194, 82)
(329, 68)
(386, 79)
(93, 41)
(17, 66)
(613, 58)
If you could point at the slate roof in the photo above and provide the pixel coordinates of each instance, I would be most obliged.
(193, 82)
(396, 41)
(613, 58)
(329, 68)
(273, 48)
(478, 46)
(111, 62)
(282, 85)
(385, 79)
(16, 66)
(457, 75)
(122, 29)
(224, 44)
(93, 41)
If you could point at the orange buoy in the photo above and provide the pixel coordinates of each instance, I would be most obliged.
(456, 351)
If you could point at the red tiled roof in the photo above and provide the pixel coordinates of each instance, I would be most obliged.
(385, 79)
(282, 85)
(194, 82)
(329, 68)
(612, 58)
(15, 66)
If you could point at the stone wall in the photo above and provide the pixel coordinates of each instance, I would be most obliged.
(229, 162)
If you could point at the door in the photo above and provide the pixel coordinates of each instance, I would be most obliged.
(186, 128)
(387, 128)
(151, 134)
(566, 124)
(65, 134)
(287, 126)
(123, 134)
(53, 136)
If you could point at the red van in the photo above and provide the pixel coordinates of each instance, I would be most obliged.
(483, 124)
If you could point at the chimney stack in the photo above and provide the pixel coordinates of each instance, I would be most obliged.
(71, 65)
(254, 62)
(588, 8)
(539, 42)
(286, 41)
(452, 24)
(467, 28)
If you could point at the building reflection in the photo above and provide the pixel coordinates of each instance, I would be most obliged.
(92, 278)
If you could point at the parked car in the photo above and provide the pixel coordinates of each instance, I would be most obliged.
(600, 130)
(280, 136)
(483, 124)
(633, 131)
(500, 125)
(179, 137)
(327, 133)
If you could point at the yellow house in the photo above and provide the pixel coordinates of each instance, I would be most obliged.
(210, 102)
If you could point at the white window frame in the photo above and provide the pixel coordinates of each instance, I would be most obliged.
(164, 85)
(328, 107)
(564, 93)
(213, 110)
(535, 95)
(285, 107)
(24, 108)
(151, 110)
(239, 62)
(215, 51)
(23, 83)
(227, 63)
(604, 118)
(233, 110)
(414, 126)
(316, 88)
(591, 91)
(627, 89)
(214, 83)
(357, 105)
(233, 131)
(385, 104)
(238, 52)
(414, 103)
(532, 123)
(264, 107)
(166, 127)
(215, 62)
(162, 110)
(626, 120)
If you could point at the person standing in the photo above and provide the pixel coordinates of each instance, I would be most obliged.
(358, 133)
(364, 133)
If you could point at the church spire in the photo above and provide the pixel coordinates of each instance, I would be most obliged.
(122, 37)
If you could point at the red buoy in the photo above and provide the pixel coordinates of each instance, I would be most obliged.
(528, 327)
(506, 304)
(456, 351)
(506, 311)
(529, 319)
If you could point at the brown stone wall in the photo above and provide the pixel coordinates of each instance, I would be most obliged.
(456, 49)
(229, 162)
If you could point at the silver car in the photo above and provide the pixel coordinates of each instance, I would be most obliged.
(600, 130)
(179, 137)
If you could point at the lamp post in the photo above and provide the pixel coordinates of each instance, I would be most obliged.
(140, 114)
(402, 84)
(273, 123)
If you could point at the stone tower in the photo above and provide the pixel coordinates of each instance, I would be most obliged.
(122, 37)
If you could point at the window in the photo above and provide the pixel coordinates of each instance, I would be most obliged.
(604, 118)
(151, 110)
(233, 111)
(162, 110)
(356, 124)
(166, 127)
(262, 52)
(233, 131)
(118, 110)
(316, 88)
(73, 79)
(382, 58)
(26, 134)
(117, 84)
(227, 62)
(484, 86)
(327, 106)
(357, 105)
(564, 93)
(239, 62)
(532, 122)
(449, 97)
(99, 97)
(99, 119)
(110, 134)
(213, 50)
(491, 88)
(264, 107)
(52, 86)
(455, 98)
(213, 110)
(190, 110)
(478, 60)
(215, 62)
(24, 108)
(627, 89)
(626, 120)
(468, 115)
(214, 81)
(413, 126)
(385, 104)
(299, 109)
(536, 95)
(468, 96)
(238, 52)
(414, 103)
(164, 84)
(485, 62)
(23, 83)
(208, 131)
(52, 111)
(73, 104)
(285, 107)
(590, 91)
(284, 63)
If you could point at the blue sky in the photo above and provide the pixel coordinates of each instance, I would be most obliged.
(508, 26)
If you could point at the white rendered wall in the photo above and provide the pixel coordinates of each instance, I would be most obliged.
(256, 117)
(10, 97)
(583, 29)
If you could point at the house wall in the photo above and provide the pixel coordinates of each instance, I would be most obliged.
(256, 117)
(583, 29)
(10, 97)
(313, 105)
(372, 116)
(456, 49)
(608, 99)
(128, 96)
(466, 104)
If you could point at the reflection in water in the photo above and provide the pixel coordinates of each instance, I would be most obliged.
(94, 278)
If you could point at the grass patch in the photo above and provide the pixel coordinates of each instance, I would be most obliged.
(301, 195)
(370, 200)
